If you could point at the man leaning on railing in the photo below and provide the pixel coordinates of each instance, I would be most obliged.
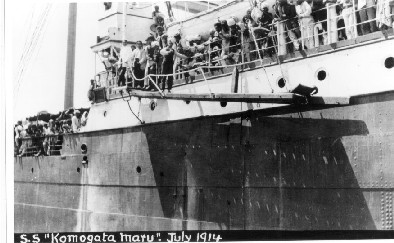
(287, 13)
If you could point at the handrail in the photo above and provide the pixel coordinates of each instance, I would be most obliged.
(34, 145)
(241, 46)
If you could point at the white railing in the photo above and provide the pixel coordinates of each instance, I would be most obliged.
(278, 34)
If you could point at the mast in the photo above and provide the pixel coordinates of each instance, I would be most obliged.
(70, 65)
(124, 21)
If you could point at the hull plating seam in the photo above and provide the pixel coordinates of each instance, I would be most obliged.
(213, 187)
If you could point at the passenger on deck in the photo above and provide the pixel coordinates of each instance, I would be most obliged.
(225, 36)
(47, 130)
(91, 90)
(22, 150)
(235, 38)
(76, 122)
(178, 46)
(66, 126)
(51, 126)
(17, 130)
(367, 12)
(124, 56)
(307, 23)
(216, 38)
(391, 6)
(158, 16)
(384, 14)
(247, 19)
(288, 14)
(161, 37)
(168, 54)
(43, 149)
(150, 67)
(198, 57)
(348, 18)
(246, 28)
(319, 14)
(84, 118)
(265, 23)
(59, 127)
(215, 49)
(138, 59)
(38, 132)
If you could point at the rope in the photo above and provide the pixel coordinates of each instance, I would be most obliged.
(209, 88)
(121, 93)
(261, 60)
(278, 60)
(30, 49)
(157, 87)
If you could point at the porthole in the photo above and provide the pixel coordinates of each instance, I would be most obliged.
(152, 105)
(281, 82)
(85, 159)
(321, 75)
(84, 148)
(105, 113)
(389, 62)
(223, 104)
(138, 169)
(187, 102)
(78, 170)
(32, 170)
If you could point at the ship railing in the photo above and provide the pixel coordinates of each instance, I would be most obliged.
(331, 34)
(259, 45)
(32, 145)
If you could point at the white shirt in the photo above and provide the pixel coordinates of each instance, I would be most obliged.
(125, 54)
(47, 131)
(75, 124)
(345, 3)
(140, 54)
(84, 118)
(365, 3)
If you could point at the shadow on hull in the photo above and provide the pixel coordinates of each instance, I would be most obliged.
(257, 172)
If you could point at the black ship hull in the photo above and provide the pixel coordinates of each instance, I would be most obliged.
(285, 168)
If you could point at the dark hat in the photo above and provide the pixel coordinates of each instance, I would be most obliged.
(177, 35)
(159, 28)
(150, 38)
(217, 25)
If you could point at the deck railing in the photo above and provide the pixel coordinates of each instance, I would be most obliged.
(48, 145)
(274, 42)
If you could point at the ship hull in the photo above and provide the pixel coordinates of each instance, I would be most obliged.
(286, 168)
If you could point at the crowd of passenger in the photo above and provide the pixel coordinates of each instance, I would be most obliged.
(45, 131)
(234, 40)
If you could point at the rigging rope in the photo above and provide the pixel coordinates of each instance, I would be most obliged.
(261, 60)
(30, 48)
(141, 121)
(280, 64)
